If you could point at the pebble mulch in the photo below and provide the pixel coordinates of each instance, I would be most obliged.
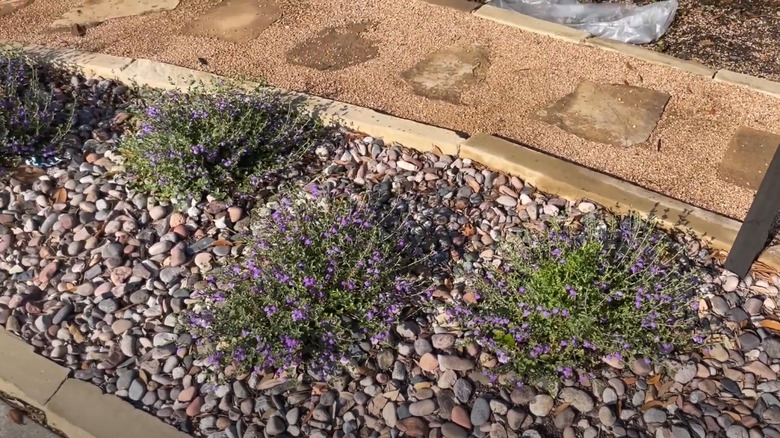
(97, 277)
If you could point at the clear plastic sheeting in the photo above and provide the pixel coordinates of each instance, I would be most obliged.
(627, 23)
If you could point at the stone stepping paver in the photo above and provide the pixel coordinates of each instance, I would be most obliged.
(447, 73)
(747, 157)
(236, 21)
(616, 114)
(10, 6)
(335, 48)
(94, 12)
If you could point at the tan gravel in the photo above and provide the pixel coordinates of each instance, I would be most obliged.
(527, 72)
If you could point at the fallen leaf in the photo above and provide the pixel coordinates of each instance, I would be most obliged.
(653, 380)
(468, 230)
(652, 404)
(60, 195)
(15, 416)
(629, 380)
(223, 242)
(770, 324)
(561, 408)
(437, 151)
(319, 388)
(733, 415)
(672, 400)
(630, 67)
(422, 385)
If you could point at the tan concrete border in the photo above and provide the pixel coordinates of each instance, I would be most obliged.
(77, 409)
(758, 84)
(531, 24)
(651, 56)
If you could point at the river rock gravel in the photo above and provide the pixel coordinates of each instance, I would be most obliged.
(96, 277)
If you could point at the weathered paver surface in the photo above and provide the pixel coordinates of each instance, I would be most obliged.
(527, 73)
(748, 156)
(26, 429)
(616, 114)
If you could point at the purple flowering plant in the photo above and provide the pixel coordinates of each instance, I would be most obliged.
(219, 141)
(567, 299)
(32, 121)
(318, 275)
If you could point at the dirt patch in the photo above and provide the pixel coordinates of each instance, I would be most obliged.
(738, 35)
(747, 157)
(10, 6)
(335, 48)
(447, 73)
(236, 21)
(620, 115)
(94, 12)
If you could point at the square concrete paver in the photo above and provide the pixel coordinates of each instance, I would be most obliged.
(94, 12)
(10, 6)
(447, 73)
(236, 21)
(616, 114)
(747, 157)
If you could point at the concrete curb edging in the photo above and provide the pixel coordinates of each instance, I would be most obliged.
(562, 32)
(77, 409)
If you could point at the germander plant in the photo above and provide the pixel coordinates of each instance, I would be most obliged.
(32, 123)
(219, 142)
(317, 276)
(567, 299)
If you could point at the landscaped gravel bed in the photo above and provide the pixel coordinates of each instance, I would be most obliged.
(102, 279)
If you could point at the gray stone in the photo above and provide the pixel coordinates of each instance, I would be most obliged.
(455, 363)
(607, 416)
(654, 416)
(137, 390)
(480, 413)
(422, 408)
(579, 399)
(463, 390)
(452, 430)
(541, 405)
(686, 373)
(275, 426)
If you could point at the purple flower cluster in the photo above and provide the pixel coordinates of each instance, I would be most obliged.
(220, 142)
(567, 300)
(31, 123)
(312, 283)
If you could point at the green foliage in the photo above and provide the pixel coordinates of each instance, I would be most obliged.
(32, 122)
(317, 276)
(219, 142)
(566, 300)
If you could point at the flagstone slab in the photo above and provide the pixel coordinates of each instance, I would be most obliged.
(447, 73)
(94, 12)
(10, 6)
(236, 21)
(747, 157)
(616, 114)
(335, 48)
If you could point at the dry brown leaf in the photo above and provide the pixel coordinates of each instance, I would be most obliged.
(223, 242)
(561, 408)
(629, 380)
(630, 67)
(15, 416)
(468, 230)
(663, 388)
(672, 400)
(319, 388)
(60, 195)
(653, 380)
(437, 151)
(733, 415)
(652, 404)
(422, 385)
(770, 324)
(474, 185)
(70, 287)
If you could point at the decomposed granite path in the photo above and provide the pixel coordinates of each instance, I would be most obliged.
(665, 129)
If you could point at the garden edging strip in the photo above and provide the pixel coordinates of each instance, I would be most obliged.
(77, 409)
(562, 32)
(546, 172)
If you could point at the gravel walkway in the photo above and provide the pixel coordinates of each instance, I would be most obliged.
(96, 277)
